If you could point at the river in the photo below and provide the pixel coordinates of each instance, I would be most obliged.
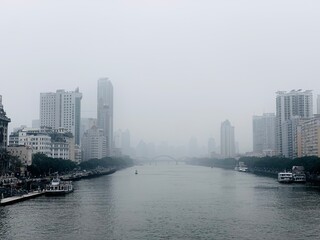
(169, 201)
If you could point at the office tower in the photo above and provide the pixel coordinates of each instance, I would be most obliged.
(318, 104)
(4, 121)
(105, 111)
(289, 137)
(62, 109)
(289, 104)
(227, 139)
(308, 137)
(86, 124)
(93, 144)
(264, 130)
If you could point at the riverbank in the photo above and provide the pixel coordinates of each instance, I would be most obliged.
(267, 166)
(29, 188)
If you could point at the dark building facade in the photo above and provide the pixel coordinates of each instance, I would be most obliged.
(4, 120)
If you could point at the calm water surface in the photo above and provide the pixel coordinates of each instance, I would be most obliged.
(168, 201)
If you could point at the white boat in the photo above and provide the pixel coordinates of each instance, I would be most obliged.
(58, 187)
(241, 167)
(299, 177)
(285, 177)
(298, 174)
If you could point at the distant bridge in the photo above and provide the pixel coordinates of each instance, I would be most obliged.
(168, 158)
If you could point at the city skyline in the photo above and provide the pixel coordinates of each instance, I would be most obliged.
(180, 68)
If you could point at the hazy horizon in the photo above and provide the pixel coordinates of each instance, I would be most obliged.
(179, 68)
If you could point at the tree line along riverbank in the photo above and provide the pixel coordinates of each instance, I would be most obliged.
(44, 168)
(269, 166)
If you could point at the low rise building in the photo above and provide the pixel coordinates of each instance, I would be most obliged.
(55, 143)
(24, 153)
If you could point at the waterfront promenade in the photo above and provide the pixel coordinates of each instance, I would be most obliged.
(17, 190)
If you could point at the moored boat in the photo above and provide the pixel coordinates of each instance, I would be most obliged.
(241, 167)
(298, 174)
(58, 187)
(285, 177)
(299, 177)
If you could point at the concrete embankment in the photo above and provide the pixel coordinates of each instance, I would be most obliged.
(14, 199)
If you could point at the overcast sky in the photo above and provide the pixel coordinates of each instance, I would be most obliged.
(179, 67)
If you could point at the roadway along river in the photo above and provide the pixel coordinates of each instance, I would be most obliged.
(169, 201)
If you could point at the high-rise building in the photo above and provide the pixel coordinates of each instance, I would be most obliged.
(227, 140)
(289, 137)
(264, 130)
(289, 104)
(105, 111)
(62, 109)
(308, 137)
(93, 144)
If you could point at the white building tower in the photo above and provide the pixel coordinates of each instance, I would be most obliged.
(61, 109)
(288, 105)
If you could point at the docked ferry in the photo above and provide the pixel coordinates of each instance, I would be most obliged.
(285, 177)
(58, 187)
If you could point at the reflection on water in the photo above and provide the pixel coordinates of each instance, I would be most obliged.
(169, 201)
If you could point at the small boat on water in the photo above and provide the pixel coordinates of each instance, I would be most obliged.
(58, 187)
(136, 172)
(285, 177)
(241, 167)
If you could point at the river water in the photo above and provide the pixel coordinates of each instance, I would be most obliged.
(169, 201)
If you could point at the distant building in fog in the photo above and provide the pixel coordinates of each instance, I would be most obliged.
(211, 146)
(61, 109)
(86, 124)
(93, 144)
(193, 147)
(264, 130)
(227, 139)
(126, 143)
(35, 123)
(105, 111)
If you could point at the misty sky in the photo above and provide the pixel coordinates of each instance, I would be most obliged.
(179, 67)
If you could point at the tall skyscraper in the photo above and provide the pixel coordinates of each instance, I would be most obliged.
(61, 109)
(227, 138)
(105, 111)
(288, 105)
(264, 130)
